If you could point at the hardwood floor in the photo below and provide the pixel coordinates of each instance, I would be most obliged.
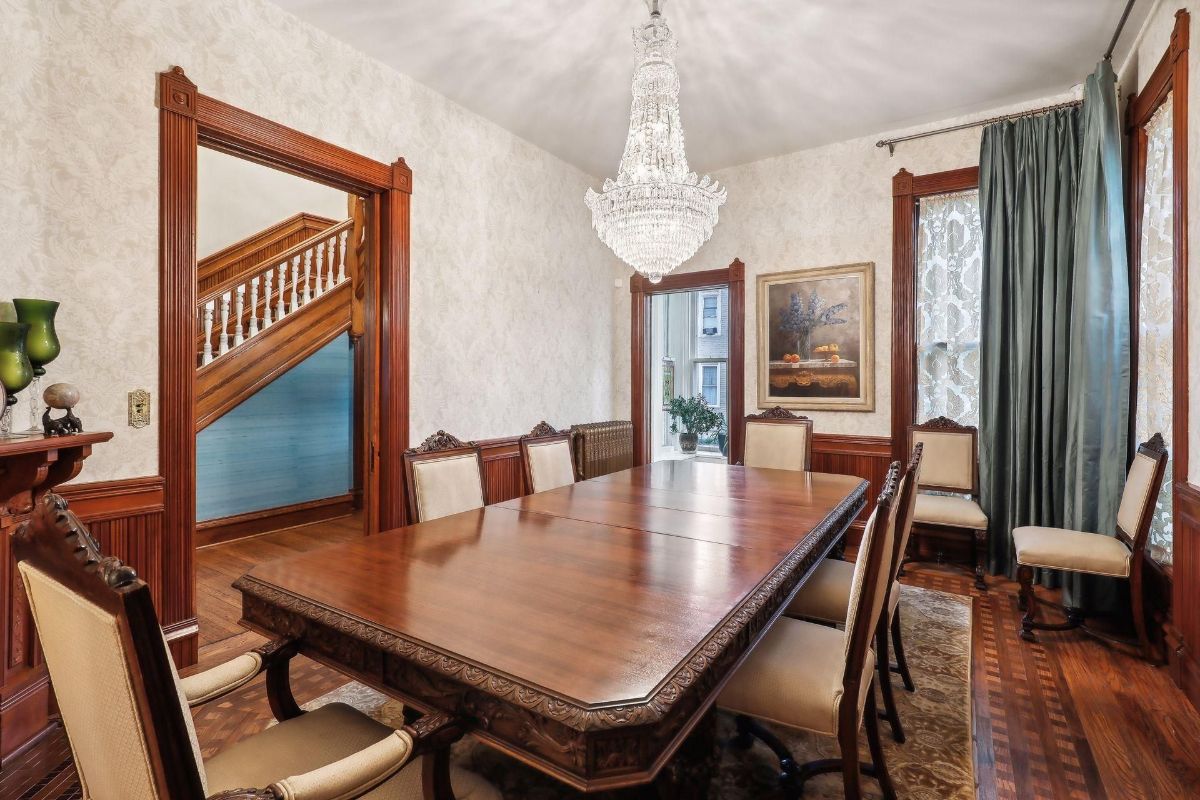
(1063, 718)
(218, 606)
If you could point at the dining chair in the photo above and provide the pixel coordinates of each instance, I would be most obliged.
(1120, 556)
(951, 466)
(825, 597)
(546, 459)
(777, 439)
(819, 678)
(125, 710)
(443, 476)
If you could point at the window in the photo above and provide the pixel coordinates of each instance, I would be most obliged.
(710, 383)
(710, 313)
(949, 284)
(1155, 317)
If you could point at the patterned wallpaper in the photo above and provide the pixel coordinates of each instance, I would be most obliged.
(506, 272)
(817, 208)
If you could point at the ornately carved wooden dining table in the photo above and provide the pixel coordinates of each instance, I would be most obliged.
(586, 630)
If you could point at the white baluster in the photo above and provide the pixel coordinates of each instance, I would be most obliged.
(341, 276)
(253, 307)
(295, 283)
(268, 277)
(320, 287)
(281, 309)
(331, 279)
(224, 346)
(307, 273)
(237, 320)
(209, 307)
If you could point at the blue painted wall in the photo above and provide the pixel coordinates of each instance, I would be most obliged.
(289, 443)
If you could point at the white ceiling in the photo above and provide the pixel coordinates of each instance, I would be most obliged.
(760, 77)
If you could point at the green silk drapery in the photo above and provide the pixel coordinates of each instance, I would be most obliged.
(1054, 405)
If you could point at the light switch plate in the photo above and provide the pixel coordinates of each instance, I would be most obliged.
(139, 408)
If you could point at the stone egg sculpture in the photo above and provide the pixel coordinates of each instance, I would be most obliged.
(63, 396)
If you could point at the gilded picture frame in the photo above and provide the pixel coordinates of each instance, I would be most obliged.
(816, 338)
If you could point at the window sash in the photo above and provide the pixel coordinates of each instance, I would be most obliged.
(710, 314)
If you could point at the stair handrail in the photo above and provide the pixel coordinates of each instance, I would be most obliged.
(292, 291)
(240, 251)
(229, 283)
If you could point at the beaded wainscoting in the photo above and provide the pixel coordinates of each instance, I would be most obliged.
(934, 763)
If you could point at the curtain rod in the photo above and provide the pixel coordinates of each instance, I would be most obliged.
(1112, 44)
(890, 144)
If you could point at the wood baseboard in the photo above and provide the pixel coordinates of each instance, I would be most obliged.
(255, 523)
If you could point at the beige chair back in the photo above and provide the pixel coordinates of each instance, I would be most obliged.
(907, 504)
(444, 477)
(868, 586)
(951, 455)
(1140, 496)
(447, 485)
(547, 460)
(868, 593)
(778, 439)
(115, 683)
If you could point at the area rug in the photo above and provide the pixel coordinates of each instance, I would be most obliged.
(935, 763)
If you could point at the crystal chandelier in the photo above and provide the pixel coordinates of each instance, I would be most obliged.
(656, 214)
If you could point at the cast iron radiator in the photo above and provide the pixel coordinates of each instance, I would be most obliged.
(602, 447)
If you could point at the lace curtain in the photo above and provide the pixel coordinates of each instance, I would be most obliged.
(949, 291)
(1155, 346)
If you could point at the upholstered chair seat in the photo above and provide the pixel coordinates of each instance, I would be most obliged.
(818, 678)
(959, 512)
(825, 597)
(1121, 555)
(321, 737)
(826, 594)
(794, 677)
(1072, 551)
(951, 464)
(126, 711)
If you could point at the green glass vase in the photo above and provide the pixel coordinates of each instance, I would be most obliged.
(15, 370)
(41, 342)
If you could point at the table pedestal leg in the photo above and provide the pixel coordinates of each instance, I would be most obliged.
(690, 772)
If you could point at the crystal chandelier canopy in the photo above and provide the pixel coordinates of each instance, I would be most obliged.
(657, 213)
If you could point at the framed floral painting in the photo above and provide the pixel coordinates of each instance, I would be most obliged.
(816, 336)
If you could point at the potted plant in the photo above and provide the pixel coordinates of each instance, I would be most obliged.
(696, 417)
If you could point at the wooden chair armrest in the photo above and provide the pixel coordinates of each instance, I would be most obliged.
(359, 773)
(203, 687)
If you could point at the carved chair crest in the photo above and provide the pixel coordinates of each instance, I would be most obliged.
(438, 442)
(778, 412)
(543, 428)
(1155, 444)
(58, 532)
(944, 424)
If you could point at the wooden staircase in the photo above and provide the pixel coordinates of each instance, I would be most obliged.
(259, 318)
(267, 244)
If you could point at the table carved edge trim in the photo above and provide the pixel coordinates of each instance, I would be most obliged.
(587, 747)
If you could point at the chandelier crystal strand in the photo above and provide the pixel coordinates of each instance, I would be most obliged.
(657, 213)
